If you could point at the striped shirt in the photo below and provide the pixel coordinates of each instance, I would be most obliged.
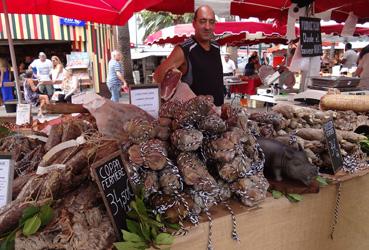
(114, 67)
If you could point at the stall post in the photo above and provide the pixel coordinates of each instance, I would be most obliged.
(11, 48)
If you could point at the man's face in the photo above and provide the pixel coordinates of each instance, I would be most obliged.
(118, 56)
(226, 58)
(42, 57)
(204, 24)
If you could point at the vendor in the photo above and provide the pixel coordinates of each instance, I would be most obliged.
(229, 69)
(350, 57)
(252, 66)
(198, 58)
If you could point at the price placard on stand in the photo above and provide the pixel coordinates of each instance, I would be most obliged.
(146, 97)
(23, 114)
(310, 37)
(6, 178)
(333, 146)
(115, 189)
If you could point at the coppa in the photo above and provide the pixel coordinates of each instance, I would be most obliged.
(111, 173)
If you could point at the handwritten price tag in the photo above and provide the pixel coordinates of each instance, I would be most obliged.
(115, 189)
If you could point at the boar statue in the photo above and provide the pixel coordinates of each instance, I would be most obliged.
(284, 161)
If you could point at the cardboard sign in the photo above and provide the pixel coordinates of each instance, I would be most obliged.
(333, 146)
(6, 178)
(146, 97)
(113, 182)
(23, 114)
(310, 37)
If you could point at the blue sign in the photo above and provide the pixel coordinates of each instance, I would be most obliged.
(71, 21)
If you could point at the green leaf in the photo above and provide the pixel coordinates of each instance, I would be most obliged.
(127, 236)
(9, 242)
(145, 229)
(276, 194)
(28, 213)
(173, 225)
(133, 226)
(322, 181)
(157, 218)
(132, 215)
(154, 223)
(164, 239)
(154, 232)
(295, 197)
(130, 245)
(31, 225)
(46, 214)
(141, 209)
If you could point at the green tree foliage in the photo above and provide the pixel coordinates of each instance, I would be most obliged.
(155, 21)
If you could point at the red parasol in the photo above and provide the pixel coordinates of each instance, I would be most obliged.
(277, 9)
(240, 33)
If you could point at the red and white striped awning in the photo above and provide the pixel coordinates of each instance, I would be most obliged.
(265, 9)
(252, 30)
(240, 33)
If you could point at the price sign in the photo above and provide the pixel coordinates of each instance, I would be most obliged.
(6, 178)
(333, 146)
(146, 97)
(23, 114)
(310, 37)
(113, 182)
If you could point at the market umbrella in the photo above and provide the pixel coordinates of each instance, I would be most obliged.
(277, 9)
(230, 30)
(115, 12)
(240, 33)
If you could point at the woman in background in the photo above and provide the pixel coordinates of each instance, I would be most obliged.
(70, 87)
(6, 92)
(30, 93)
(363, 68)
(57, 72)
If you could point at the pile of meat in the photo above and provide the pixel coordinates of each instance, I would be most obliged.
(294, 125)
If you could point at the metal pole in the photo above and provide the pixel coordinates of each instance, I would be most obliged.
(11, 48)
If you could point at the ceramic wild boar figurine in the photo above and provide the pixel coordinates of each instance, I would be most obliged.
(284, 161)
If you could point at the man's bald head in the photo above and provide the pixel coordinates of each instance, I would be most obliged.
(204, 23)
(203, 8)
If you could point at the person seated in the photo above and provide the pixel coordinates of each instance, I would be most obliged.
(70, 86)
(30, 93)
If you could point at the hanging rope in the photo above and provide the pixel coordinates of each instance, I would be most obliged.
(336, 208)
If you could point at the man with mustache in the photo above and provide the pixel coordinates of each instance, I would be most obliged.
(198, 58)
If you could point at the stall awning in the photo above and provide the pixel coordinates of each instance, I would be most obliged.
(241, 33)
(277, 9)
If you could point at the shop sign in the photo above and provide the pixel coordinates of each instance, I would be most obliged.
(310, 37)
(6, 178)
(78, 60)
(23, 114)
(333, 146)
(146, 97)
(113, 182)
(71, 22)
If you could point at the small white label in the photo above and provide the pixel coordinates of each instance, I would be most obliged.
(6, 178)
(23, 114)
(146, 99)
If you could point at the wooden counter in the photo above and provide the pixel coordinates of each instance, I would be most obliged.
(282, 225)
